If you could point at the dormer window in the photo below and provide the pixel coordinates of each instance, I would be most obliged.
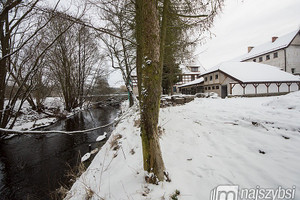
(194, 69)
(267, 57)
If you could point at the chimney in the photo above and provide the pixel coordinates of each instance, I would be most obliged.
(249, 49)
(274, 38)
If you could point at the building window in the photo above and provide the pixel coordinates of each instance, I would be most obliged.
(267, 57)
(208, 88)
(205, 88)
(210, 78)
(260, 59)
(293, 70)
(205, 79)
(194, 69)
(254, 60)
(217, 76)
(186, 78)
(275, 55)
(193, 77)
(217, 87)
(213, 87)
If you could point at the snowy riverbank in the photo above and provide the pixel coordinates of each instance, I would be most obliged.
(29, 119)
(208, 142)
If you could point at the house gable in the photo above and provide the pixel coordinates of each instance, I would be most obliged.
(268, 47)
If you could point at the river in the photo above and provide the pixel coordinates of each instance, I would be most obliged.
(33, 166)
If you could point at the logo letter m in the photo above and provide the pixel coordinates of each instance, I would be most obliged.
(225, 192)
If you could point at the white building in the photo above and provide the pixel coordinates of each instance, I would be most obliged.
(283, 52)
(188, 74)
(248, 79)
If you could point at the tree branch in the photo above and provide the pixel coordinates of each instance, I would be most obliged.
(9, 7)
(191, 16)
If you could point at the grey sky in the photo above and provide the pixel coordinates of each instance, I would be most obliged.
(248, 23)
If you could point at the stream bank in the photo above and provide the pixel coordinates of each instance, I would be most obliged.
(33, 166)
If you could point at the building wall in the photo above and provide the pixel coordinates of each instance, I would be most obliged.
(296, 40)
(186, 78)
(293, 59)
(135, 90)
(292, 54)
(215, 84)
(212, 78)
(237, 90)
(278, 62)
(211, 83)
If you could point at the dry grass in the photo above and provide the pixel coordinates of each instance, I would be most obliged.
(175, 195)
(137, 123)
(160, 131)
(59, 193)
(151, 178)
(114, 142)
(132, 151)
(72, 174)
(76, 172)
(90, 193)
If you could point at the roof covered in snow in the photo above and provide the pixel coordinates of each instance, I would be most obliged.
(253, 72)
(185, 68)
(279, 43)
(194, 82)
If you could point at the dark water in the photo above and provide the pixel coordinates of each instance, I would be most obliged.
(32, 166)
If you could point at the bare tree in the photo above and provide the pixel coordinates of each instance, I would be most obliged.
(12, 15)
(119, 18)
(23, 54)
(71, 59)
(17, 29)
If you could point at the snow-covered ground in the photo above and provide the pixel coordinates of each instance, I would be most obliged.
(248, 142)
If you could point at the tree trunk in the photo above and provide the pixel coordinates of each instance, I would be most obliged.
(3, 67)
(139, 39)
(129, 89)
(150, 89)
(163, 32)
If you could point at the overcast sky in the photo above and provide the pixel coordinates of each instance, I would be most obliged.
(243, 23)
(248, 23)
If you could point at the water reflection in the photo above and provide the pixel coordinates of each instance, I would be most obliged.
(32, 166)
